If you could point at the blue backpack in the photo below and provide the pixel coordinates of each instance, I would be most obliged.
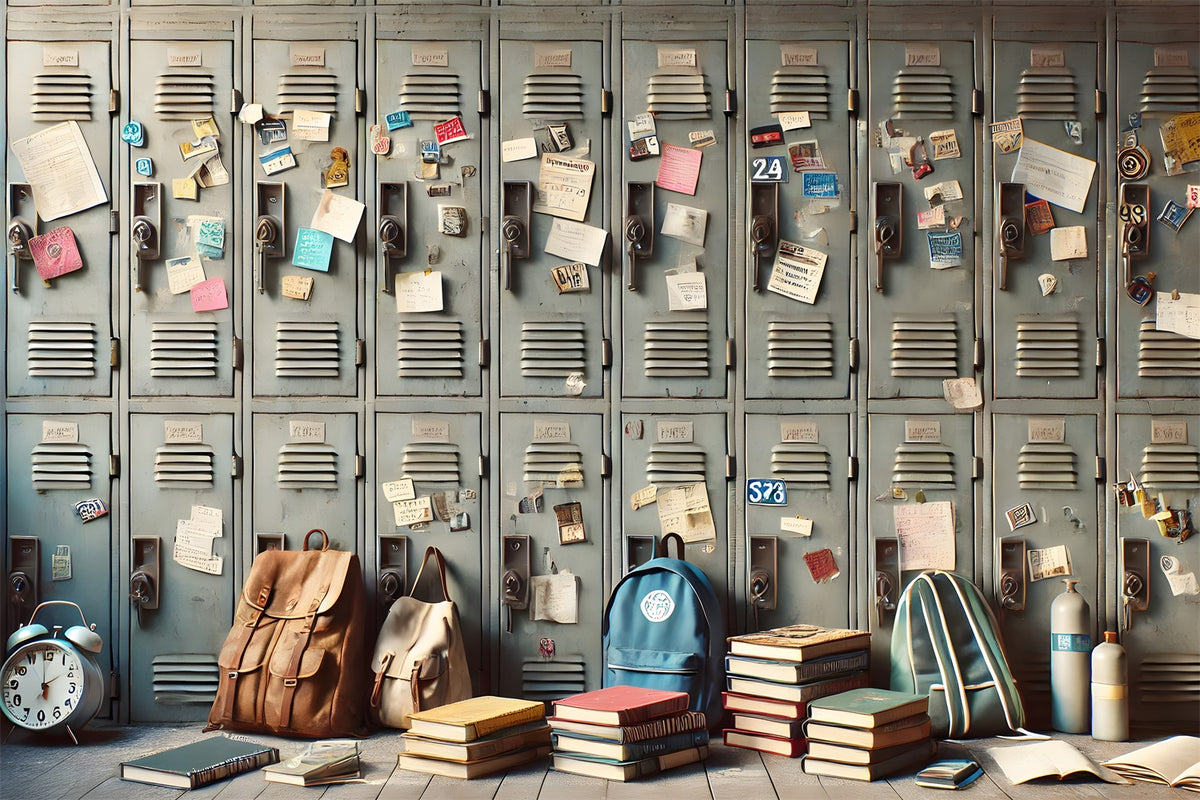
(664, 629)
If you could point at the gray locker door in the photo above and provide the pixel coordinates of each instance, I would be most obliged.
(926, 314)
(429, 352)
(559, 459)
(307, 347)
(1045, 346)
(796, 347)
(550, 344)
(59, 336)
(678, 353)
(189, 352)
(179, 462)
(1048, 463)
(441, 454)
(809, 454)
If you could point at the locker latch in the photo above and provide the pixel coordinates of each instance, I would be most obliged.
(393, 569)
(147, 221)
(639, 226)
(1012, 575)
(764, 216)
(144, 580)
(1011, 229)
(888, 203)
(393, 229)
(24, 563)
(1135, 579)
(887, 579)
(268, 228)
(514, 582)
(516, 205)
(764, 572)
(20, 230)
(1134, 213)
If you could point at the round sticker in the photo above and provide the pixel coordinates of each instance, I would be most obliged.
(657, 606)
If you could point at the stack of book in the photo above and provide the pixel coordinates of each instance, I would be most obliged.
(319, 764)
(476, 737)
(626, 732)
(864, 734)
(772, 676)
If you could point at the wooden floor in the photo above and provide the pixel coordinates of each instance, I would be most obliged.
(33, 767)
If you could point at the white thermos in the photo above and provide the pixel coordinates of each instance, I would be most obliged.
(1110, 690)
(1070, 649)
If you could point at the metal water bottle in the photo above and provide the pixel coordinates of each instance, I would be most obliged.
(1070, 646)
(1110, 690)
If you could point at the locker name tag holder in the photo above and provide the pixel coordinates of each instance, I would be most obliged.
(766, 492)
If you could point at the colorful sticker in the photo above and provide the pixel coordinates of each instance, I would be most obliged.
(819, 184)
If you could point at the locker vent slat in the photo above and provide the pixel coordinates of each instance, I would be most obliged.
(800, 89)
(311, 91)
(676, 349)
(802, 465)
(552, 680)
(183, 350)
(552, 348)
(61, 96)
(430, 349)
(1170, 90)
(553, 96)
(559, 463)
(1165, 354)
(1170, 466)
(678, 96)
(1046, 93)
(924, 346)
(1048, 346)
(1166, 678)
(185, 678)
(184, 95)
(306, 349)
(183, 463)
(431, 462)
(923, 93)
(800, 348)
(431, 95)
(307, 465)
(1047, 465)
(922, 465)
(669, 463)
(61, 466)
(62, 349)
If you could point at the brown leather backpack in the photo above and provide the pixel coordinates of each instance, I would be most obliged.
(294, 662)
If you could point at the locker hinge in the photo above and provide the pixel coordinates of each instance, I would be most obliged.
(1101, 353)
(114, 221)
(976, 468)
(482, 464)
(978, 356)
(114, 465)
(360, 101)
(485, 352)
(605, 465)
(235, 101)
(854, 354)
(730, 103)
(1101, 469)
(235, 466)
(852, 468)
(852, 102)
(606, 352)
(977, 102)
(360, 465)
(730, 468)
(729, 354)
(114, 101)
(360, 352)
(853, 221)
(483, 104)
(605, 102)
(1101, 103)
(237, 352)
(114, 353)
(114, 686)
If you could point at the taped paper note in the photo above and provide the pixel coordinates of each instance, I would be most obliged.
(1049, 562)
(679, 169)
(687, 292)
(685, 510)
(801, 526)
(210, 295)
(564, 187)
(418, 292)
(518, 149)
(685, 223)
(338, 215)
(313, 249)
(926, 535)
(413, 512)
(184, 273)
(576, 241)
(395, 491)
(60, 169)
(1178, 314)
(311, 126)
(554, 598)
(1068, 243)
(1057, 176)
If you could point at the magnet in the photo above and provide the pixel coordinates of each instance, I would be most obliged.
(88, 510)
(338, 173)
(643, 148)
(1174, 215)
(1133, 163)
(1039, 218)
(144, 167)
(1048, 283)
(531, 505)
(1135, 120)
(546, 648)
(1123, 493)
(705, 138)
(271, 130)
(460, 522)
(1020, 516)
(132, 133)
(397, 120)
(453, 220)
(1141, 289)
(560, 136)
(1074, 131)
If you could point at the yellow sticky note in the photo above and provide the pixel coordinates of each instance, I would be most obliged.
(185, 189)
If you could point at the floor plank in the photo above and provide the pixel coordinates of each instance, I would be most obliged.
(735, 773)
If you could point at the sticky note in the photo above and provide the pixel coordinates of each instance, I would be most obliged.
(184, 189)
(210, 295)
(1068, 243)
(313, 249)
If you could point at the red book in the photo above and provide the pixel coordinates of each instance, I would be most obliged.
(620, 705)
(765, 742)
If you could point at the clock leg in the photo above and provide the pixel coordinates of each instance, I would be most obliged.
(71, 733)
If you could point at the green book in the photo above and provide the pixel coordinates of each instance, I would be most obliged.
(200, 763)
(866, 708)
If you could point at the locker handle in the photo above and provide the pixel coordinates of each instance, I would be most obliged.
(265, 232)
(268, 228)
(639, 226)
(888, 202)
(144, 231)
(635, 234)
(1135, 222)
(19, 234)
(1011, 231)
(764, 216)
(762, 230)
(516, 207)
(392, 230)
(885, 232)
(512, 229)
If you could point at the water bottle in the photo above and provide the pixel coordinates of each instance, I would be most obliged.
(1110, 691)
(1070, 648)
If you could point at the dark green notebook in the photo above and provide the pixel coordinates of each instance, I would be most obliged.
(199, 763)
(867, 708)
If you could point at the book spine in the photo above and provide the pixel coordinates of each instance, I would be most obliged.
(666, 744)
(835, 686)
(827, 667)
(636, 716)
(688, 721)
(234, 766)
(487, 726)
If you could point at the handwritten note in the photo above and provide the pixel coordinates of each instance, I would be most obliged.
(576, 241)
(1179, 315)
(926, 534)
(313, 249)
(685, 510)
(412, 512)
(395, 491)
(554, 598)
(518, 149)
(418, 292)
(59, 167)
(821, 565)
(1068, 243)
(210, 295)
(564, 186)
(297, 287)
(338, 215)
(643, 497)
(679, 169)
(1057, 176)
(801, 526)
(311, 126)
(55, 253)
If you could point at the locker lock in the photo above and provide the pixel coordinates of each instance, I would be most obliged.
(143, 231)
(268, 228)
(21, 589)
(639, 226)
(1011, 232)
(391, 586)
(764, 211)
(888, 201)
(393, 216)
(19, 234)
(1008, 591)
(516, 202)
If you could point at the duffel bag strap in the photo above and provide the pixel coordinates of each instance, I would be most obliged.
(441, 564)
(324, 539)
(664, 547)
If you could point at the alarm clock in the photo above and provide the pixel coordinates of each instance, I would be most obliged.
(50, 684)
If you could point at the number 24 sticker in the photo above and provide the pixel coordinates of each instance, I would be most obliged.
(762, 492)
(768, 169)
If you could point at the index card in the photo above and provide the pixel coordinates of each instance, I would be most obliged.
(576, 241)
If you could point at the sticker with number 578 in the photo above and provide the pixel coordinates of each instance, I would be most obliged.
(768, 169)
(763, 492)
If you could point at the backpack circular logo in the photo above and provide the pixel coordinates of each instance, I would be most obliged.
(657, 606)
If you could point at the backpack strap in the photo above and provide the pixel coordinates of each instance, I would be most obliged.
(441, 564)
(664, 547)
(943, 652)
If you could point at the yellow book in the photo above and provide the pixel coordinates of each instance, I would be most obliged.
(469, 719)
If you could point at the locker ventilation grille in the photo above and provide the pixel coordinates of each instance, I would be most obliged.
(1048, 346)
(430, 349)
(801, 464)
(551, 349)
(58, 97)
(61, 466)
(924, 346)
(185, 678)
(431, 95)
(307, 465)
(183, 463)
(1166, 678)
(800, 349)
(306, 349)
(552, 680)
(553, 95)
(183, 95)
(307, 90)
(676, 349)
(183, 349)
(1165, 354)
(62, 349)
(669, 463)
(800, 89)
(921, 465)
(678, 97)
(557, 463)
(1168, 90)
(1047, 465)
(431, 462)
(1170, 466)
(924, 93)
(1046, 93)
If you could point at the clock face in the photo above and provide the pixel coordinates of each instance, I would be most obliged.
(41, 685)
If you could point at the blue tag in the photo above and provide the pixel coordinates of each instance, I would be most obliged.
(132, 133)
(144, 166)
(397, 120)
(764, 492)
(818, 184)
(313, 249)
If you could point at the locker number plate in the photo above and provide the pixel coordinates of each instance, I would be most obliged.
(762, 492)
(769, 169)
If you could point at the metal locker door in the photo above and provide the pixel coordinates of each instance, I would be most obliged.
(674, 310)
(1153, 578)
(180, 600)
(186, 227)
(1045, 496)
(441, 455)
(59, 333)
(922, 280)
(810, 455)
(1045, 343)
(430, 347)
(307, 333)
(552, 518)
(1156, 81)
(552, 92)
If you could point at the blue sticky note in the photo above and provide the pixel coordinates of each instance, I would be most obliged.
(397, 120)
(313, 249)
(144, 166)
(819, 184)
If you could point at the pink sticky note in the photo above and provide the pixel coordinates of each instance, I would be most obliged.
(55, 253)
(679, 169)
(209, 295)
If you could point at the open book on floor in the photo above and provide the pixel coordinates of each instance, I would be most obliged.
(1052, 759)
(1174, 761)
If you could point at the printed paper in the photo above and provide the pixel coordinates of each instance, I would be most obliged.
(338, 215)
(1181, 141)
(944, 192)
(685, 223)
(570, 523)
(795, 120)
(59, 167)
(945, 249)
(933, 218)
(797, 272)
(571, 278)
(1049, 562)
(686, 291)
(576, 241)
(643, 497)
(1068, 243)
(418, 292)
(945, 145)
(685, 510)
(184, 273)
(801, 526)
(926, 535)
(821, 565)
(277, 160)
(679, 169)
(564, 187)
(1007, 135)
(451, 130)
(1057, 176)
